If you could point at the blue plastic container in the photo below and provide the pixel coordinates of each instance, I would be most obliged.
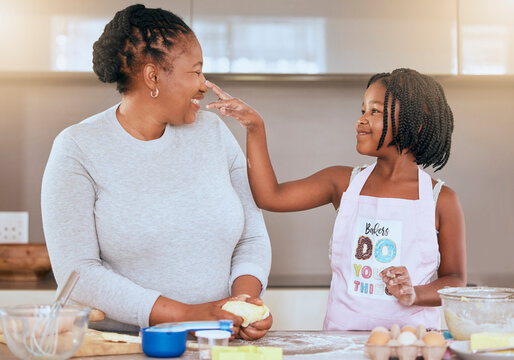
(169, 339)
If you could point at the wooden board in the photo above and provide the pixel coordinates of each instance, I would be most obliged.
(95, 344)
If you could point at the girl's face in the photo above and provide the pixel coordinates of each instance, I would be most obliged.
(182, 87)
(370, 124)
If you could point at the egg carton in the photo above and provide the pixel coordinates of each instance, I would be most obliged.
(405, 347)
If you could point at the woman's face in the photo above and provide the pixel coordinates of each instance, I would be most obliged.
(370, 124)
(182, 87)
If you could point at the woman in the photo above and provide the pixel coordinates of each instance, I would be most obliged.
(149, 200)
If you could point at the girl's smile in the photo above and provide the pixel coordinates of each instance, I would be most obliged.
(362, 129)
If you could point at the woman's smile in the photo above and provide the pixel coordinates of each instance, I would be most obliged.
(196, 102)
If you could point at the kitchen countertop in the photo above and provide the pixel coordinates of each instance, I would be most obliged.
(296, 345)
(47, 282)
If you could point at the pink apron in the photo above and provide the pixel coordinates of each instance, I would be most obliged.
(371, 234)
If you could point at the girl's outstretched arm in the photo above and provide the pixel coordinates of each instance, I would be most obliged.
(323, 187)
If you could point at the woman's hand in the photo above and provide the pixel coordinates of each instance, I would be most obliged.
(236, 108)
(257, 329)
(212, 311)
(398, 283)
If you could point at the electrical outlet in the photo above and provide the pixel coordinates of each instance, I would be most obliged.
(14, 227)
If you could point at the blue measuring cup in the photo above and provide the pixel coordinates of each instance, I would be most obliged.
(169, 339)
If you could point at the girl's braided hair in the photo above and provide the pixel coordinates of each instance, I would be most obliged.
(134, 34)
(425, 122)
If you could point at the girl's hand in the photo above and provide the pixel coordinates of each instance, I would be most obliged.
(257, 329)
(236, 108)
(398, 283)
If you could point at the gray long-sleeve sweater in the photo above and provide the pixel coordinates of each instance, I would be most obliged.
(138, 219)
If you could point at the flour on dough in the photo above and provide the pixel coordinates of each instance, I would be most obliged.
(249, 312)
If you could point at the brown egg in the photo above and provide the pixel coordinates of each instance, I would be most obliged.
(409, 328)
(433, 338)
(380, 328)
(378, 338)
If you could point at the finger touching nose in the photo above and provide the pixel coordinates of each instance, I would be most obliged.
(217, 90)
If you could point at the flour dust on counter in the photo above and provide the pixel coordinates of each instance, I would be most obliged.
(311, 342)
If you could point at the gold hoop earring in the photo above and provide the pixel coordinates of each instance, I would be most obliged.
(156, 93)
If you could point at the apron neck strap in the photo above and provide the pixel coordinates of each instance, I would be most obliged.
(424, 183)
(359, 180)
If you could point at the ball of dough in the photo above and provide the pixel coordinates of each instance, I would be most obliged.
(249, 312)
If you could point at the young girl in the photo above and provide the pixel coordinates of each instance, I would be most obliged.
(395, 225)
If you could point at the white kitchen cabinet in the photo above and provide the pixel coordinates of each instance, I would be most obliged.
(297, 308)
(327, 36)
(58, 35)
(486, 35)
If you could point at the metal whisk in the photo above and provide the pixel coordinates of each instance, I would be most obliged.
(41, 341)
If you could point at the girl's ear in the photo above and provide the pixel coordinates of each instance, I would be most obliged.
(150, 76)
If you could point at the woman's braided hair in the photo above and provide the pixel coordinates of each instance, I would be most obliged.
(134, 34)
(425, 122)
